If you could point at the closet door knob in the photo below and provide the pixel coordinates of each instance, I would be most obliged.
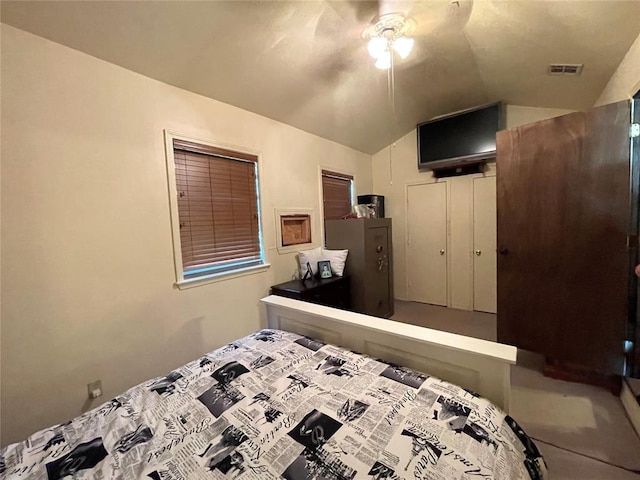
(478, 252)
(442, 252)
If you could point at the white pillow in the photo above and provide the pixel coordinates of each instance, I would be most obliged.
(337, 258)
(312, 256)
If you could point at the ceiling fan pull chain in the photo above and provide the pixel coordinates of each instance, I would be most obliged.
(392, 105)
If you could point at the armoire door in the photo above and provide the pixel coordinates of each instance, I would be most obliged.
(427, 243)
(485, 268)
(563, 220)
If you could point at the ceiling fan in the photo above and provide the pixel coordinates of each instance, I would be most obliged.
(395, 24)
(390, 33)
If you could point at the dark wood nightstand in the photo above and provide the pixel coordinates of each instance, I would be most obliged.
(332, 292)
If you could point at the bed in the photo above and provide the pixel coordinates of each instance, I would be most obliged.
(288, 402)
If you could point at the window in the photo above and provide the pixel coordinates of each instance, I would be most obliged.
(337, 194)
(215, 213)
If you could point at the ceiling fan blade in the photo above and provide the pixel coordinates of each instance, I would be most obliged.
(343, 19)
(396, 6)
(355, 10)
(437, 16)
(335, 34)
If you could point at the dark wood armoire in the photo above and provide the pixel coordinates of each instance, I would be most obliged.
(567, 199)
(369, 262)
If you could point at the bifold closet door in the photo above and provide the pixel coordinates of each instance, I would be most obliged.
(427, 243)
(485, 270)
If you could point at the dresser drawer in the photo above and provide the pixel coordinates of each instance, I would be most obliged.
(332, 292)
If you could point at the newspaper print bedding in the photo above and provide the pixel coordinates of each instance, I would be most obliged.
(279, 405)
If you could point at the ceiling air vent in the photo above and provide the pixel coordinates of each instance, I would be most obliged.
(565, 68)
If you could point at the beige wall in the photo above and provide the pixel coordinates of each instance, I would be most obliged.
(625, 81)
(520, 115)
(391, 181)
(87, 260)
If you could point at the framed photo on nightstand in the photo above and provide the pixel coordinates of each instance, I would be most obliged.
(324, 268)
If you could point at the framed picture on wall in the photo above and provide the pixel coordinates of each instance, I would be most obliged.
(324, 268)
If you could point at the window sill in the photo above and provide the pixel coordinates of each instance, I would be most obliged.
(218, 277)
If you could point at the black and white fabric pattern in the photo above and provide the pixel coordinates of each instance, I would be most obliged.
(278, 405)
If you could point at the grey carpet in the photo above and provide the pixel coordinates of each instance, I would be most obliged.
(472, 324)
(580, 418)
(564, 465)
(583, 430)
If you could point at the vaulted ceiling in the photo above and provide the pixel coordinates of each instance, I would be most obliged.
(304, 63)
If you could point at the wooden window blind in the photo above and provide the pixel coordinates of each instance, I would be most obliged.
(336, 194)
(217, 208)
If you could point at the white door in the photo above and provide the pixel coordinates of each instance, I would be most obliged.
(484, 245)
(427, 243)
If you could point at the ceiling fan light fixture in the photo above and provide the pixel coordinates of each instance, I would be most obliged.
(389, 32)
(377, 46)
(384, 60)
(403, 46)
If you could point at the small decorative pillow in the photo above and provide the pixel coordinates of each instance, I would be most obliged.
(312, 256)
(337, 258)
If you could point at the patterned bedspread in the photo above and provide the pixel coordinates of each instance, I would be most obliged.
(278, 405)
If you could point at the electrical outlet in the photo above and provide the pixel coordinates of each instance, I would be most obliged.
(95, 389)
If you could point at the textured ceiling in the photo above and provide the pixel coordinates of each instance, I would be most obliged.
(305, 64)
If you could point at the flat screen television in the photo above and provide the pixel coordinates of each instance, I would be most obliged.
(463, 137)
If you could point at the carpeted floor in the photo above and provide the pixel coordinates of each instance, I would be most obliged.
(582, 431)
